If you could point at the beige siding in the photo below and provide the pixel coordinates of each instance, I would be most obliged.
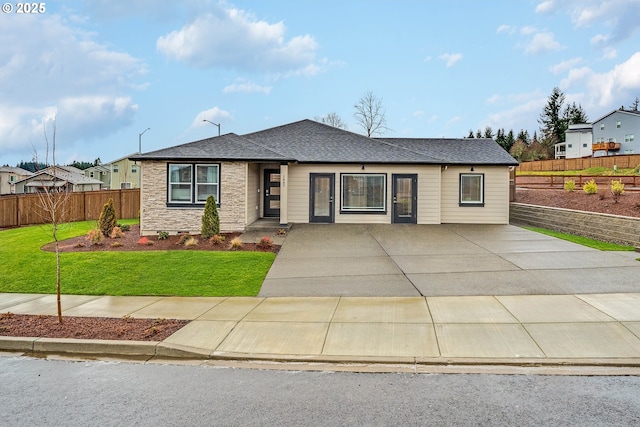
(496, 196)
(155, 216)
(428, 192)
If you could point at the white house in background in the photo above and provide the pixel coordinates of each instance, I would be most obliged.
(578, 141)
(101, 173)
(612, 134)
(9, 176)
(64, 178)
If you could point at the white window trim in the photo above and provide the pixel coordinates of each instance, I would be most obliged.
(193, 184)
(471, 202)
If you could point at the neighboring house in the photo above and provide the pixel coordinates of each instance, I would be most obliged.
(610, 135)
(308, 172)
(65, 178)
(578, 142)
(615, 133)
(101, 173)
(9, 176)
(125, 173)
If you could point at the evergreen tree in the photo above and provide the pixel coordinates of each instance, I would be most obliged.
(479, 134)
(501, 139)
(523, 136)
(488, 132)
(553, 125)
(509, 140)
(574, 114)
(210, 219)
(634, 105)
(107, 221)
(471, 135)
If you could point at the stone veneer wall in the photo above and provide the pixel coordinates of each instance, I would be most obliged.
(608, 228)
(156, 216)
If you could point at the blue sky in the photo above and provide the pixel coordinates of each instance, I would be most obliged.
(108, 70)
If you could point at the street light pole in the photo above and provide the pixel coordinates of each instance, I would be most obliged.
(215, 124)
(140, 140)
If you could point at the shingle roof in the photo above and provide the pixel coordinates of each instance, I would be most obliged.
(308, 141)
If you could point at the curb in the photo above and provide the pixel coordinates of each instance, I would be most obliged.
(151, 349)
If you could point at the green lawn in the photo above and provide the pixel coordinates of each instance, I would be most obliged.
(585, 241)
(25, 268)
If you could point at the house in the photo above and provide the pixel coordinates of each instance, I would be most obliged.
(125, 173)
(610, 135)
(308, 172)
(615, 133)
(101, 173)
(578, 142)
(65, 178)
(9, 176)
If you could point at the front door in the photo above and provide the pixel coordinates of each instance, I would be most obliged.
(271, 193)
(321, 197)
(405, 198)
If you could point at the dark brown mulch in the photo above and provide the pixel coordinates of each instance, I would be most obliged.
(603, 202)
(22, 325)
(130, 241)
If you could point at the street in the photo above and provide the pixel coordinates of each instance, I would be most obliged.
(39, 392)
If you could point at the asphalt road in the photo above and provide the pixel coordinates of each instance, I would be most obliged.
(49, 393)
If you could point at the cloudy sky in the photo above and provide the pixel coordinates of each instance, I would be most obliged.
(107, 70)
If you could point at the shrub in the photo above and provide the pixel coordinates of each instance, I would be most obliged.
(115, 244)
(124, 227)
(107, 220)
(116, 233)
(236, 244)
(145, 241)
(163, 235)
(265, 243)
(590, 187)
(216, 239)
(210, 219)
(95, 236)
(617, 190)
(191, 241)
(282, 232)
(183, 238)
(569, 185)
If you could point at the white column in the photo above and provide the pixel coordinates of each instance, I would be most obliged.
(284, 180)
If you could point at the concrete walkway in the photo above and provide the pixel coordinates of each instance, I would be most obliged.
(442, 260)
(593, 329)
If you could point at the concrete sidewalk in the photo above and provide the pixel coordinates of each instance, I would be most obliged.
(589, 329)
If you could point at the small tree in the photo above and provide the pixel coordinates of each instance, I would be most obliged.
(371, 115)
(210, 219)
(107, 221)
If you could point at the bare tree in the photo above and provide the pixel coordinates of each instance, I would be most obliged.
(53, 201)
(332, 119)
(371, 115)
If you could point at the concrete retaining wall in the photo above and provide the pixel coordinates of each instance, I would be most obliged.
(608, 228)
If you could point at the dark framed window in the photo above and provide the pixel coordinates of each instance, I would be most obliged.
(471, 189)
(363, 192)
(192, 184)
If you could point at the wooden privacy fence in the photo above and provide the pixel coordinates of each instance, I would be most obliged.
(622, 161)
(26, 209)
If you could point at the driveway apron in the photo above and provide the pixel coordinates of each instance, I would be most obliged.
(441, 260)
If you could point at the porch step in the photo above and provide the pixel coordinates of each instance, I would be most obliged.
(268, 224)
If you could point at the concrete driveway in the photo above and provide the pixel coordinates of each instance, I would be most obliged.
(441, 260)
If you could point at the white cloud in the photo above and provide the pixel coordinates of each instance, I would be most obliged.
(565, 65)
(451, 58)
(608, 89)
(493, 99)
(621, 16)
(504, 28)
(50, 65)
(542, 43)
(527, 30)
(243, 86)
(418, 113)
(609, 53)
(232, 38)
(214, 114)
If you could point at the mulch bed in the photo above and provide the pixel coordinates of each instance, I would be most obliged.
(23, 325)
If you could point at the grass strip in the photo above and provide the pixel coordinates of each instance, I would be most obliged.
(585, 241)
